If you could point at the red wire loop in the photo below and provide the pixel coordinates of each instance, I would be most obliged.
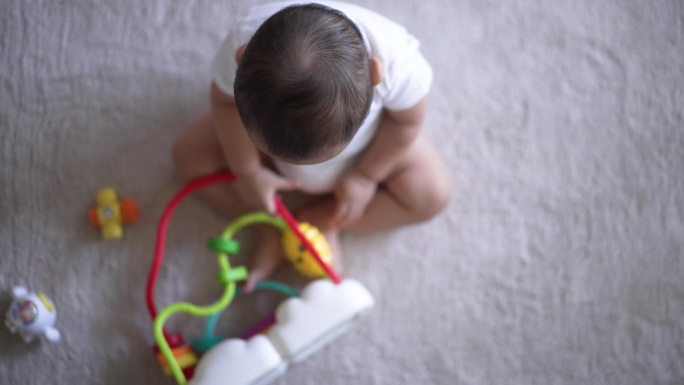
(163, 226)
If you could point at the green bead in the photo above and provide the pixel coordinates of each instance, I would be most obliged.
(235, 274)
(228, 246)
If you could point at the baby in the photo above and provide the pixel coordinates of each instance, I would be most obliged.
(328, 100)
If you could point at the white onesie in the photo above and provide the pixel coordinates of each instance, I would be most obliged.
(407, 80)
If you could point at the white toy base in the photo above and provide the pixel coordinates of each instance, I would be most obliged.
(303, 326)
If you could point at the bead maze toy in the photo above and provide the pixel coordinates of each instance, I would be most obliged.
(301, 325)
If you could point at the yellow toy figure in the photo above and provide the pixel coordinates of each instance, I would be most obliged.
(110, 214)
(300, 257)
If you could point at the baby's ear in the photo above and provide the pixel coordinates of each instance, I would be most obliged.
(377, 71)
(238, 54)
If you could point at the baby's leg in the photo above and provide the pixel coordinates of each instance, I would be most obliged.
(197, 153)
(417, 189)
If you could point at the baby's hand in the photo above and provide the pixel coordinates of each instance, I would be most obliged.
(266, 258)
(353, 193)
(258, 190)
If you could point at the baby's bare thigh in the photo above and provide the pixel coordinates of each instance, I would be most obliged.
(419, 176)
(197, 150)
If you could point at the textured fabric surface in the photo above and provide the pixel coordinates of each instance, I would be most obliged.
(559, 260)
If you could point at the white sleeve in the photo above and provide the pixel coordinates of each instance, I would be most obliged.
(224, 66)
(409, 78)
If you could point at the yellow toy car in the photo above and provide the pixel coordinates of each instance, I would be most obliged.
(110, 214)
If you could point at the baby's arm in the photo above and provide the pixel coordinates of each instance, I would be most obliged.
(240, 153)
(256, 185)
(397, 131)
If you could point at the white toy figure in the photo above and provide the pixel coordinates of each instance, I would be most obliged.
(32, 315)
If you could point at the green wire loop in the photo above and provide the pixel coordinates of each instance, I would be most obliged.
(184, 307)
(228, 276)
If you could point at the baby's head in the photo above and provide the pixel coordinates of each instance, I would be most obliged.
(304, 84)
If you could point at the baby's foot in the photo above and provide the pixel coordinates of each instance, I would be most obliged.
(266, 258)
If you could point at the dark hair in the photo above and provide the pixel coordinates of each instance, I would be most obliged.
(304, 82)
